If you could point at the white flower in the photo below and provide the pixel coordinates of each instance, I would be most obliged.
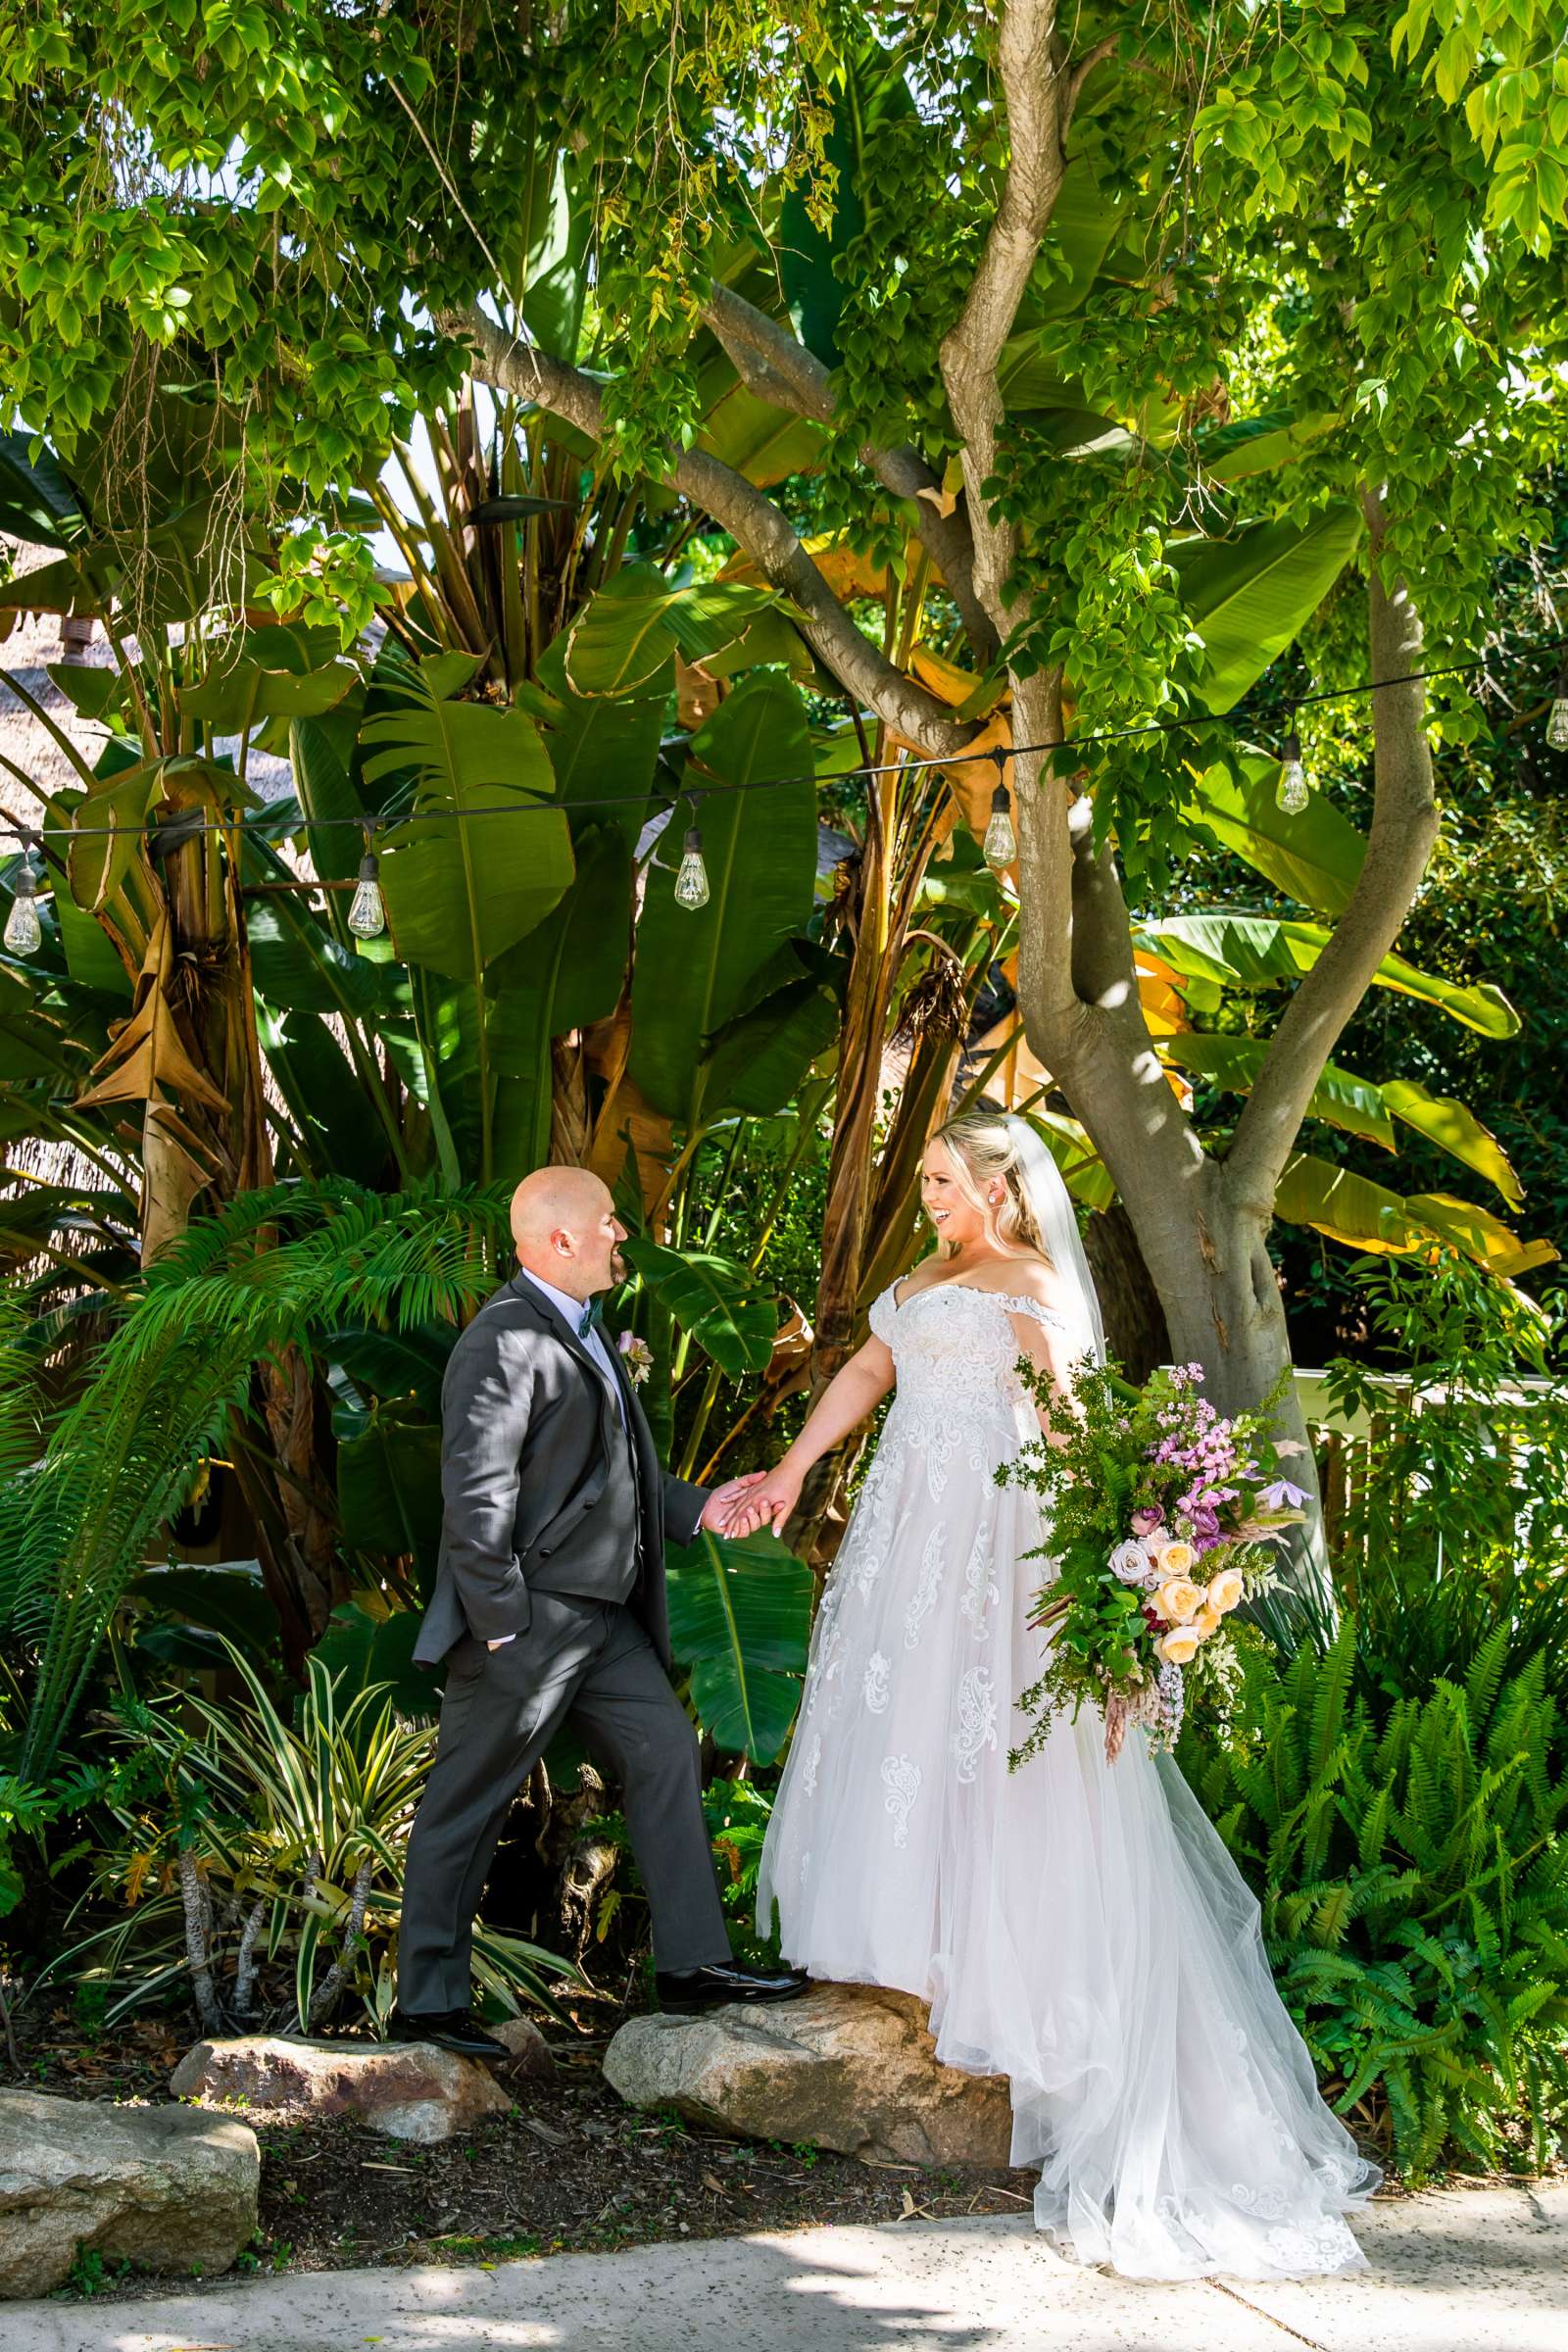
(637, 1357)
(1129, 1562)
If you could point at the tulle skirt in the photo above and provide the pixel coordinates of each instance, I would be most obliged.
(1076, 1926)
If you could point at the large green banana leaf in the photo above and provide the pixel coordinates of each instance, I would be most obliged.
(1230, 453)
(459, 895)
(739, 1617)
(393, 1363)
(453, 1080)
(729, 1314)
(1083, 1171)
(1249, 596)
(1341, 1098)
(389, 1482)
(1364, 1215)
(1445, 1122)
(337, 1133)
(568, 972)
(1358, 1106)
(543, 246)
(625, 636)
(872, 95)
(290, 672)
(321, 753)
(1257, 951)
(759, 1057)
(759, 849)
(750, 435)
(40, 503)
(1314, 858)
(362, 1653)
(603, 747)
(296, 963)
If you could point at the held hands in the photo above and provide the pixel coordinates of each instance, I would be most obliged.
(766, 1498)
(725, 1501)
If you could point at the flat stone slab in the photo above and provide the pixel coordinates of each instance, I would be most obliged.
(410, 2091)
(848, 2067)
(1455, 2270)
(169, 2188)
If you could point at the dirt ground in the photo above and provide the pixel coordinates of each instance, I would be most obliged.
(570, 2170)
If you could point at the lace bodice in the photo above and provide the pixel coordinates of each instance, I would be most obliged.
(953, 1346)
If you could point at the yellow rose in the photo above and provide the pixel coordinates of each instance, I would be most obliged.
(1207, 1620)
(1178, 1599)
(1179, 1645)
(1174, 1558)
(1226, 1590)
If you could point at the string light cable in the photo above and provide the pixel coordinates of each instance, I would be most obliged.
(367, 914)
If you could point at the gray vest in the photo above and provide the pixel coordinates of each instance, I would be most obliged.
(601, 1555)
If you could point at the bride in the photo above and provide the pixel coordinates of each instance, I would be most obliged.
(1076, 1926)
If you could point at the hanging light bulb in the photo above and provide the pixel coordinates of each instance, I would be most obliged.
(368, 915)
(1001, 842)
(23, 934)
(1557, 717)
(1294, 791)
(690, 883)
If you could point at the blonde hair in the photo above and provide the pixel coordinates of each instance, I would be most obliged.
(981, 1149)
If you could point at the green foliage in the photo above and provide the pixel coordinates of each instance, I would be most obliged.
(1411, 1864)
(1457, 1522)
(268, 1273)
(267, 1857)
(737, 1813)
(1397, 1797)
(726, 1310)
(739, 1617)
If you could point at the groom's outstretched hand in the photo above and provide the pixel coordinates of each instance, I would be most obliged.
(725, 1503)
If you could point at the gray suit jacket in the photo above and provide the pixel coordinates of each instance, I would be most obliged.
(535, 1483)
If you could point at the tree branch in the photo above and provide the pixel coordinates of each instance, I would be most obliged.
(1035, 86)
(1086, 64)
(779, 367)
(1404, 826)
(1037, 89)
(751, 519)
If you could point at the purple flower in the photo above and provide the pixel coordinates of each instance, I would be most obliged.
(1145, 1522)
(1281, 1495)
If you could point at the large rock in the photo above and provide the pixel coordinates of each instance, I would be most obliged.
(530, 2052)
(168, 2187)
(411, 2090)
(850, 2066)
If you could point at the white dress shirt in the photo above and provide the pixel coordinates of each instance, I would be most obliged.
(593, 1339)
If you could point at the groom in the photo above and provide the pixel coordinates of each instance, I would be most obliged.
(549, 1604)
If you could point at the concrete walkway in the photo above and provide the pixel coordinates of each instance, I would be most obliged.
(1466, 2270)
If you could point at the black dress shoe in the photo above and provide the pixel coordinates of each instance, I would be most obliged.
(450, 2030)
(683, 1992)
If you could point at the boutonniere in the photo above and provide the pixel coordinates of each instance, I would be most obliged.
(636, 1356)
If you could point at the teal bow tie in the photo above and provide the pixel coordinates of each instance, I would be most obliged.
(593, 1317)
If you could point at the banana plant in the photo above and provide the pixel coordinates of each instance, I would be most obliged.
(740, 1618)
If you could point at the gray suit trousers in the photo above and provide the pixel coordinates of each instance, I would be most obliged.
(589, 1662)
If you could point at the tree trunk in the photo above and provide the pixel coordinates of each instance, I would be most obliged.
(1135, 1331)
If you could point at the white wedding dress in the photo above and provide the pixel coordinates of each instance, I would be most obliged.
(1076, 1926)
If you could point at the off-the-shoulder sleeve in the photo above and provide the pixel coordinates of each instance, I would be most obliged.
(881, 1316)
(1047, 1315)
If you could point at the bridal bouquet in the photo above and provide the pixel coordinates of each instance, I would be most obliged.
(1162, 1514)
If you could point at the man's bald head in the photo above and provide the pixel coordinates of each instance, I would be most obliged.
(566, 1230)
